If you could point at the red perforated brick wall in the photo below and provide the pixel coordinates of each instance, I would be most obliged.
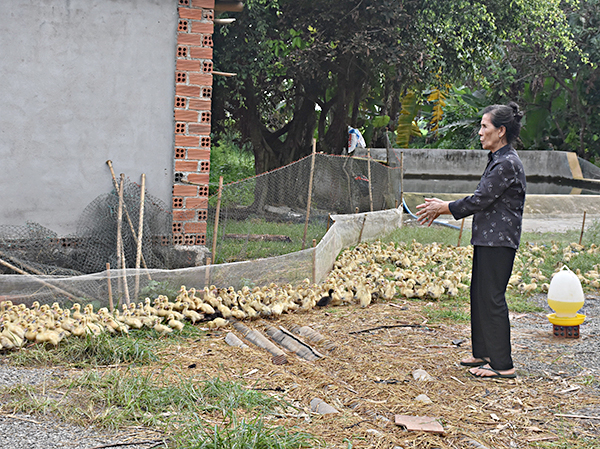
(192, 117)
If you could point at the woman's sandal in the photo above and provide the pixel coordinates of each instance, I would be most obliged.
(496, 375)
(477, 362)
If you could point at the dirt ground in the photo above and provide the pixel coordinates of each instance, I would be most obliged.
(366, 374)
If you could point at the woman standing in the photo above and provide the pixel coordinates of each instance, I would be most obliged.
(497, 209)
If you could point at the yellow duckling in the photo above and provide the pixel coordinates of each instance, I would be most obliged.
(191, 315)
(217, 323)
(173, 323)
(77, 315)
(47, 336)
(161, 328)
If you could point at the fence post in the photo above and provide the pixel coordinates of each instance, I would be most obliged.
(582, 227)
(310, 184)
(140, 233)
(401, 177)
(216, 228)
(369, 175)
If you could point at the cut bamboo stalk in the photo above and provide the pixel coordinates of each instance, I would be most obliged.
(116, 184)
(140, 234)
(292, 343)
(261, 341)
(310, 184)
(369, 177)
(216, 228)
(462, 225)
(110, 298)
(120, 236)
(582, 227)
(44, 283)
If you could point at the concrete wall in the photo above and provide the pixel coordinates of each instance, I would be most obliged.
(83, 81)
(436, 162)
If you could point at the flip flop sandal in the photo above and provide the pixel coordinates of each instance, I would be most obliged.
(472, 364)
(496, 375)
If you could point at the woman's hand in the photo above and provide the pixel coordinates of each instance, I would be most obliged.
(431, 209)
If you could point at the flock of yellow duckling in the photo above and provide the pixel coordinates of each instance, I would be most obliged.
(369, 272)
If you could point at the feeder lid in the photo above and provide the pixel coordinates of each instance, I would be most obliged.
(565, 286)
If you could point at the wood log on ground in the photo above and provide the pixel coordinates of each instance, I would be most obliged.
(259, 237)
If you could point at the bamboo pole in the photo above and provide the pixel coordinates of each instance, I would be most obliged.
(369, 176)
(310, 184)
(120, 236)
(110, 298)
(44, 283)
(116, 184)
(462, 225)
(122, 262)
(140, 234)
(362, 228)
(216, 228)
(401, 177)
(582, 227)
(125, 285)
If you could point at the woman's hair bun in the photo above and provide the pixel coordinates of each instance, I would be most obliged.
(517, 113)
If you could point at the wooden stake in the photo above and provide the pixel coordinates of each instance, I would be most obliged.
(369, 178)
(114, 178)
(125, 284)
(362, 228)
(401, 176)
(140, 233)
(120, 236)
(44, 283)
(216, 228)
(310, 183)
(462, 225)
(110, 298)
(582, 227)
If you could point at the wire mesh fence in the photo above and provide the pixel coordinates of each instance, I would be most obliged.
(273, 207)
(267, 216)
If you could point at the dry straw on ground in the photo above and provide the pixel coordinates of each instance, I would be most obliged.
(367, 377)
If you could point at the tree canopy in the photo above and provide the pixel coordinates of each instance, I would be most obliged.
(310, 68)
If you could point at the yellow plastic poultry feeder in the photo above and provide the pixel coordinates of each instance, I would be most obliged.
(565, 297)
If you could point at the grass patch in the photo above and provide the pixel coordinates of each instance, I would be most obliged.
(115, 399)
(427, 235)
(100, 350)
(243, 434)
(235, 250)
(226, 396)
(522, 304)
(447, 311)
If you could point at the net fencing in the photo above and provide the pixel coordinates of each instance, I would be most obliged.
(269, 206)
(251, 209)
